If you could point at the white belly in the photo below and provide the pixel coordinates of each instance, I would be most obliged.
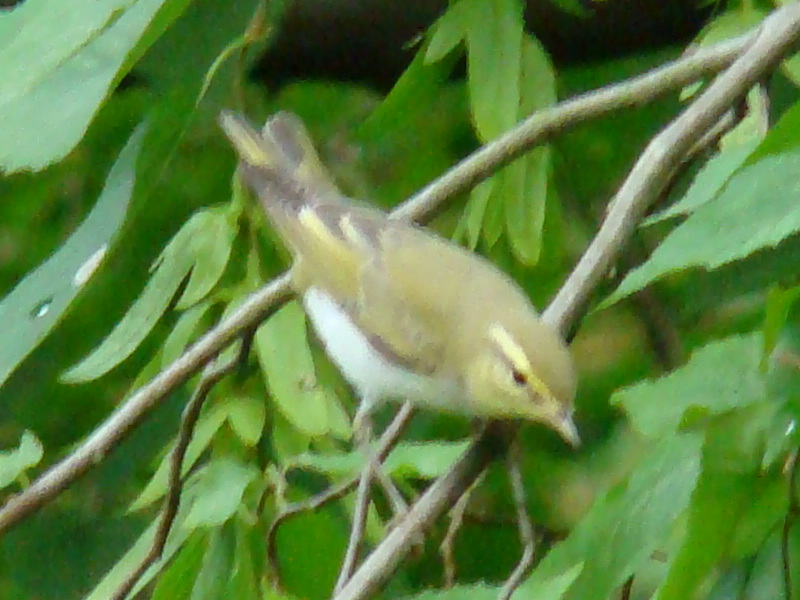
(373, 377)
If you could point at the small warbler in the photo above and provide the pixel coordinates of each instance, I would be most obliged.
(403, 313)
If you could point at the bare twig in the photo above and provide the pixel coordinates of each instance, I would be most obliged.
(211, 376)
(656, 165)
(256, 307)
(447, 546)
(653, 170)
(385, 444)
(122, 421)
(357, 527)
(526, 533)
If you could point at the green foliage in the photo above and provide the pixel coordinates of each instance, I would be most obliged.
(687, 479)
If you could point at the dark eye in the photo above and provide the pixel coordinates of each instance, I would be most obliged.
(519, 377)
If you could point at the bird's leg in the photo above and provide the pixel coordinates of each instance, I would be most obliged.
(362, 426)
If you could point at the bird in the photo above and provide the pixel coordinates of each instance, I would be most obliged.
(402, 312)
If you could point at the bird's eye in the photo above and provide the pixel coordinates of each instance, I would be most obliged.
(519, 377)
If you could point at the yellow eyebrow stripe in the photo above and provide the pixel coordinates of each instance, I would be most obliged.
(517, 357)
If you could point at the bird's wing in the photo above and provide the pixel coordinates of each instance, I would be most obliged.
(341, 248)
(337, 246)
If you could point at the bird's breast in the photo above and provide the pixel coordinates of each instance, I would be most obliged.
(370, 372)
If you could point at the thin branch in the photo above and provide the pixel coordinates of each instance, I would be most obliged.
(776, 35)
(385, 444)
(545, 123)
(357, 527)
(526, 533)
(467, 173)
(123, 420)
(191, 413)
(447, 546)
(654, 168)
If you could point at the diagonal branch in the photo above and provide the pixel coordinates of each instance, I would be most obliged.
(649, 175)
(470, 171)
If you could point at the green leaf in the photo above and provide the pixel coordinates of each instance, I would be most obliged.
(247, 567)
(782, 138)
(247, 416)
(776, 312)
(707, 183)
(207, 426)
(214, 575)
(719, 377)
(731, 23)
(478, 591)
(756, 209)
(121, 570)
(13, 463)
(397, 112)
(555, 587)
(448, 31)
(426, 460)
(217, 492)
(182, 333)
(37, 303)
(190, 249)
(622, 529)
(526, 181)
(288, 367)
(494, 46)
(712, 523)
(211, 242)
(177, 579)
(469, 226)
(50, 93)
(524, 188)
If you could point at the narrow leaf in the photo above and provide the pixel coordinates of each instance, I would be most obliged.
(707, 183)
(211, 244)
(13, 463)
(622, 529)
(757, 209)
(217, 492)
(719, 377)
(47, 99)
(494, 40)
(288, 368)
(35, 306)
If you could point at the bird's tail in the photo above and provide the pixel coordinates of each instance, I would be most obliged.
(279, 163)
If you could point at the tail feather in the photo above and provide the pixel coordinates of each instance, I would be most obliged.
(279, 163)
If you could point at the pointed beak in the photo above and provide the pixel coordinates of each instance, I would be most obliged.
(565, 427)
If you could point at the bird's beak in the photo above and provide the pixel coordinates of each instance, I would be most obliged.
(565, 426)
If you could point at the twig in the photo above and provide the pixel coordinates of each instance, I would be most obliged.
(123, 420)
(211, 376)
(543, 124)
(656, 165)
(256, 307)
(357, 527)
(791, 515)
(385, 444)
(456, 521)
(526, 533)
(652, 171)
